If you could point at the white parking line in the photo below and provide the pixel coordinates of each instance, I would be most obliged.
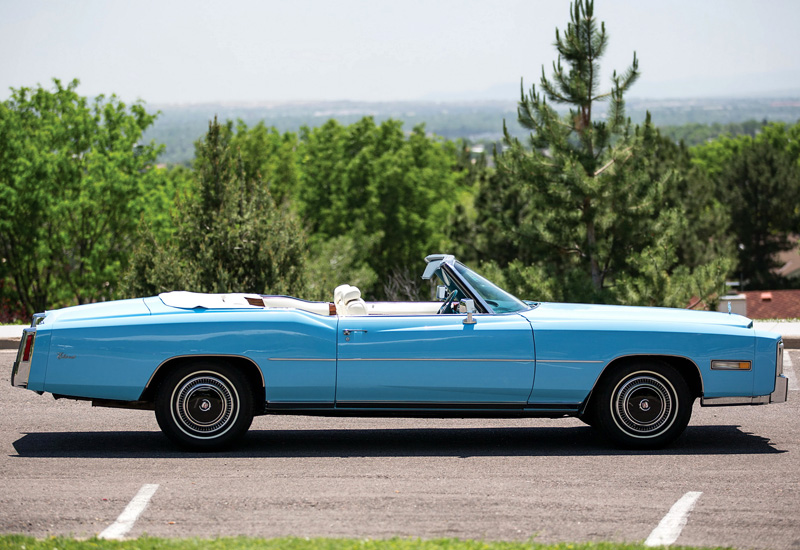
(788, 370)
(125, 521)
(673, 523)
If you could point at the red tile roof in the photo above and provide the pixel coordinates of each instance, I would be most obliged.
(773, 304)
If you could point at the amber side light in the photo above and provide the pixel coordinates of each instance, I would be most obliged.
(730, 365)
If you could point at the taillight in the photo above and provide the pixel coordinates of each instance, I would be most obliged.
(28, 350)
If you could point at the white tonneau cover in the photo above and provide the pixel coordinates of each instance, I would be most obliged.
(191, 300)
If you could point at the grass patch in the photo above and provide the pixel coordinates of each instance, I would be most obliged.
(19, 542)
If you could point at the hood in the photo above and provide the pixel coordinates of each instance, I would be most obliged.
(101, 310)
(591, 312)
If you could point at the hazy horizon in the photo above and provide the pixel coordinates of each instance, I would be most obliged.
(246, 51)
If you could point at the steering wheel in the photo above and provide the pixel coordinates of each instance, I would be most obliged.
(446, 303)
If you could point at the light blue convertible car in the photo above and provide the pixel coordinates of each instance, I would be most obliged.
(207, 363)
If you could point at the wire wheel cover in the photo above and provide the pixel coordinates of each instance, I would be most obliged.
(644, 404)
(204, 405)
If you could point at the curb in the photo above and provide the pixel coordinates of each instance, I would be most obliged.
(792, 342)
(9, 343)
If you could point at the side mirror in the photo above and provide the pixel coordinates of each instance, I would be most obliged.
(441, 293)
(467, 306)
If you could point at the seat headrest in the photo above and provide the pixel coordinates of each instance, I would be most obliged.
(351, 294)
(338, 292)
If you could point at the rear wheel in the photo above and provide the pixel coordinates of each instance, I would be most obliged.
(204, 406)
(643, 406)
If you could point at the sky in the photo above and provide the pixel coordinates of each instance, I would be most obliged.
(180, 51)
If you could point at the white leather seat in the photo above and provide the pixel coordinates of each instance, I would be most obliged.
(348, 301)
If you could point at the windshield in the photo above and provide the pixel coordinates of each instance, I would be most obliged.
(498, 299)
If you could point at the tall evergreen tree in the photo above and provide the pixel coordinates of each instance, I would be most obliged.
(584, 204)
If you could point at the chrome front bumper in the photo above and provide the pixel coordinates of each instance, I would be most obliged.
(779, 394)
(781, 390)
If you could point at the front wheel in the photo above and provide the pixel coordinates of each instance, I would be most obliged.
(643, 406)
(204, 406)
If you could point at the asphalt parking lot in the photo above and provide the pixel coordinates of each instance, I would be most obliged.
(70, 469)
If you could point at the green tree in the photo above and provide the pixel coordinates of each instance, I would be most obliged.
(470, 239)
(175, 184)
(334, 262)
(703, 225)
(761, 187)
(230, 236)
(323, 200)
(270, 157)
(392, 195)
(73, 182)
(586, 205)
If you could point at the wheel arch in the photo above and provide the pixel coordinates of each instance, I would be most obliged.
(687, 368)
(245, 365)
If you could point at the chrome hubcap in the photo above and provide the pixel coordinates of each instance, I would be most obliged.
(204, 405)
(644, 404)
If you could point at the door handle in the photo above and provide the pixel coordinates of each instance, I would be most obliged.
(349, 331)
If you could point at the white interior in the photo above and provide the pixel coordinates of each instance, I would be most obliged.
(346, 299)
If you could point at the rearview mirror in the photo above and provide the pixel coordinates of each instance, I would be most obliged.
(441, 293)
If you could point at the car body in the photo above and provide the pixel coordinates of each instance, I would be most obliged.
(207, 363)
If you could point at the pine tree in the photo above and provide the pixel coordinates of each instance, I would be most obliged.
(585, 204)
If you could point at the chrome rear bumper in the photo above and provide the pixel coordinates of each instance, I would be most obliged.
(21, 370)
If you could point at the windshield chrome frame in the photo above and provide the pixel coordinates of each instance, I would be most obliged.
(447, 264)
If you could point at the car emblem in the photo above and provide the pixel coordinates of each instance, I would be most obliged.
(644, 404)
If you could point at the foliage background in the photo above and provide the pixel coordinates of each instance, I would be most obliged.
(575, 202)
